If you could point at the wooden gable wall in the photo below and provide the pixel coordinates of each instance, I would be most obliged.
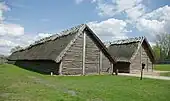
(72, 62)
(141, 57)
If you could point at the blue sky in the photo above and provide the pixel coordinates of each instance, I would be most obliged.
(24, 21)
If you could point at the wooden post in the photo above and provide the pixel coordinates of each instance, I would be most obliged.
(112, 68)
(141, 55)
(84, 52)
(100, 64)
(147, 64)
(141, 74)
(143, 66)
(60, 68)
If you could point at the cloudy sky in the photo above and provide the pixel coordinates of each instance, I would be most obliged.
(24, 21)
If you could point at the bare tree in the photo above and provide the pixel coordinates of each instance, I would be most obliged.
(163, 42)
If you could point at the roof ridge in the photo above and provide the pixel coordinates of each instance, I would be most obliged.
(128, 40)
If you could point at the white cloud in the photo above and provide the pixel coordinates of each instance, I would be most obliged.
(122, 5)
(12, 35)
(11, 29)
(119, 6)
(8, 28)
(78, 1)
(6, 43)
(3, 8)
(162, 13)
(42, 35)
(111, 28)
(151, 26)
(155, 22)
(135, 12)
(106, 9)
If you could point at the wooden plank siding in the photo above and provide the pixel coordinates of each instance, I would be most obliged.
(106, 64)
(92, 56)
(141, 57)
(146, 60)
(72, 62)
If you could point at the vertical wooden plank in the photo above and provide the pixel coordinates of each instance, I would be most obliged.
(100, 64)
(60, 67)
(152, 67)
(141, 54)
(84, 52)
(141, 57)
(147, 64)
(112, 68)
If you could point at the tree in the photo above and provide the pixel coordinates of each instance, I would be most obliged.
(156, 50)
(16, 49)
(168, 55)
(163, 43)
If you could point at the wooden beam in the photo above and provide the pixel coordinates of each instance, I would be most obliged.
(100, 64)
(141, 58)
(152, 67)
(110, 70)
(141, 54)
(84, 52)
(147, 64)
(61, 68)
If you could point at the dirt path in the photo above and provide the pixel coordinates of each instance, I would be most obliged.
(146, 76)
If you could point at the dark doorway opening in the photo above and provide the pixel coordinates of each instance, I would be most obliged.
(123, 67)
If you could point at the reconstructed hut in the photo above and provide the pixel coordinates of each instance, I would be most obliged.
(131, 53)
(74, 51)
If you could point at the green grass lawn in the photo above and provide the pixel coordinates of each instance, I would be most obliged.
(162, 67)
(17, 84)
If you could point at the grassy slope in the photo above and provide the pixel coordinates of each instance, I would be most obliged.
(23, 85)
(162, 67)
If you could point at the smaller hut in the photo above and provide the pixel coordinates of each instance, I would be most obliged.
(131, 53)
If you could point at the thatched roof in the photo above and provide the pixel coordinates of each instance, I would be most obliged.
(123, 50)
(50, 48)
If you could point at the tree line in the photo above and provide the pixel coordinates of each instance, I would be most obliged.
(162, 48)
